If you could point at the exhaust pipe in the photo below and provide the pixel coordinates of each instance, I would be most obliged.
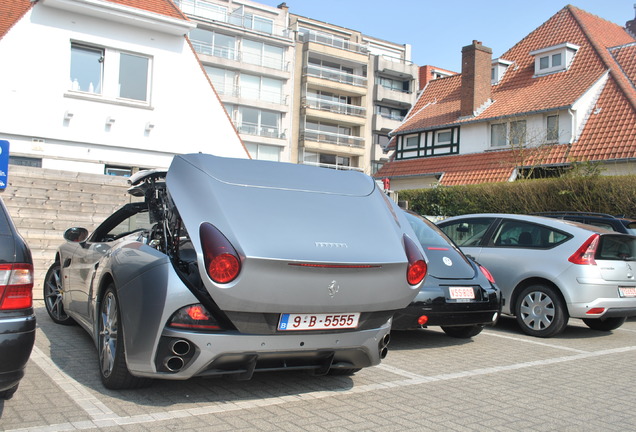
(382, 346)
(173, 364)
(180, 347)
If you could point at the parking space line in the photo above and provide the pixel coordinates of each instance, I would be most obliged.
(101, 416)
(535, 342)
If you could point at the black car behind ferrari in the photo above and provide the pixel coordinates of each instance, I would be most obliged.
(458, 294)
(17, 320)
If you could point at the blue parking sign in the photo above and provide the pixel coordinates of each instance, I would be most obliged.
(4, 163)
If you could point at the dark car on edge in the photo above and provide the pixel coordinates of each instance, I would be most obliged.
(17, 320)
(619, 224)
(458, 294)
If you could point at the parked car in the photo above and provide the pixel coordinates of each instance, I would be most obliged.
(549, 269)
(17, 320)
(614, 223)
(232, 266)
(458, 295)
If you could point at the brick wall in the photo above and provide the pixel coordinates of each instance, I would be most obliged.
(476, 86)
(44, 203)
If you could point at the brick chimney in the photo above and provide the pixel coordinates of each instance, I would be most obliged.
(476, 87)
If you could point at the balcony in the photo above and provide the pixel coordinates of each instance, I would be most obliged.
(385, 122)
(333, 139)
(335, 75)
(334, 107)
(333, 41)
(400, 98)
(401, 68)
(249, 93)
(232, 54)
(238, 18)
(259, 130)
(332, 166)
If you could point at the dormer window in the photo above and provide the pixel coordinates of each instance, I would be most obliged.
(553, 59)
(499, 68)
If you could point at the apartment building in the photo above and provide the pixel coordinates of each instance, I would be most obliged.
(301, 90)
(247, 50)
(351, 91)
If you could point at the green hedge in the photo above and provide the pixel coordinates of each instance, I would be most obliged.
(614, 195)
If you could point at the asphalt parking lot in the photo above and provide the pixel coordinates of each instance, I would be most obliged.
(501, 380)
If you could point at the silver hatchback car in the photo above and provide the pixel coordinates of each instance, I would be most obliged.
(549, 270)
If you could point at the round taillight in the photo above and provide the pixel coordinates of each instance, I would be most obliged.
(417, 268)
(416, 272)
(222, 263)
(224, 268)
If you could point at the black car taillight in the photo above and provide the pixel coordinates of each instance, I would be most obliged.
(222, 263)
(585, 254)
(486, 273)
(417, 268)
(193, 317)
(16, 286)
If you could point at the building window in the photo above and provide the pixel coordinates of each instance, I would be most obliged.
(391, 113)
(552, 132)
(214, 44)
(554, 59)
(86, 69)
(518, 132)
(498, 135)
(222, 79)
(395, 85)
(263, 152)
(120, 171)
(513, 133)
(326, 160)
(444, 137)
(261, 88)
(261, 54)
(110, 73)
(25, 161)
(253, 121)
(411, 142)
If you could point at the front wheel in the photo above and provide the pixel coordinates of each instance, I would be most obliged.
(8, 394)
(463, 332)
(604, 324)
(110, 347)
(54, 294)
(541, 312)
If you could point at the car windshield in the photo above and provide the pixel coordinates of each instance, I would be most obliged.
(427, 233)
(617, 247)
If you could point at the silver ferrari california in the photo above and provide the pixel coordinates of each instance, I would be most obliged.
(231, 266)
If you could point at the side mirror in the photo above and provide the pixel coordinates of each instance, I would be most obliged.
(76, 235)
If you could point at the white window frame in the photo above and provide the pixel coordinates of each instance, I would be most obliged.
(109, 88)
(443, 131)
(549, 131)
(407, 138)
(544, 59)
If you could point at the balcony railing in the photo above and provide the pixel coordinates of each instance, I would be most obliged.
(332, 166)
(336, 42)
(239, 17)
(335, 107)
(333, 138)
(248, 93)
(258, 130)
(232, 54)
(335, 75)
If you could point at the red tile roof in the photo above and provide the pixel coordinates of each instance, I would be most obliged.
(12, 10)
(609, 133)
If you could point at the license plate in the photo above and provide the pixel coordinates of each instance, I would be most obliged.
(462, 293)
(318, 321)
(627, 291)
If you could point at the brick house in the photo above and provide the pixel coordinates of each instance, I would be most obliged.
(564, 94)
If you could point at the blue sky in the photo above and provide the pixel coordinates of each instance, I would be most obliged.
(437, 30)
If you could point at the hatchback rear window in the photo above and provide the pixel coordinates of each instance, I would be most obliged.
(616, 247)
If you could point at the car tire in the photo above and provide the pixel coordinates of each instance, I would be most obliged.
(111, 353)
(604, 324)
(343, 371)
(8, 394)
(541, 312)
(53, 295)
(463, 332)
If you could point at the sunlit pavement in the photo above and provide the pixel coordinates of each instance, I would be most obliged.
(499, 380)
